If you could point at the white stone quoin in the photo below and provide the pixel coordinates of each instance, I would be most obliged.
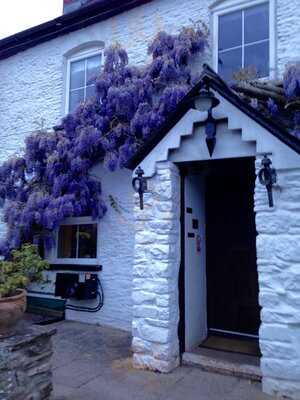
(155, 273)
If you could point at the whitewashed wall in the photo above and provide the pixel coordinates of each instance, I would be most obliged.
(116, 247)
(32, 82)
(155, 273)
(115, 254)
(278, 261)
(32, 87)
(288, 33)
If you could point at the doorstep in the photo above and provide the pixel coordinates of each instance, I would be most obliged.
(239, 365)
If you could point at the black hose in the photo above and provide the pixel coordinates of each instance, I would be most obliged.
(97, 308)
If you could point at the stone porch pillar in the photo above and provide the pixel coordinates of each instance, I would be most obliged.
(155, 273)
(278, 262)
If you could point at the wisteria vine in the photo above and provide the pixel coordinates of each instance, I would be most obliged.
(51, 180)
(289, 105)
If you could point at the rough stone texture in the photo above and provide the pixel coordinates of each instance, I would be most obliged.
(155, 273)
(288, 28)
(25, 364)
(155, 290)
(278, 259)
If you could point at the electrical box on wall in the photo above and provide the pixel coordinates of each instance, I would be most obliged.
(81, 286)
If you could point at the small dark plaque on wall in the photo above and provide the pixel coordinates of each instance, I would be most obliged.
(195, 223)
(189, 210)
(191, 235)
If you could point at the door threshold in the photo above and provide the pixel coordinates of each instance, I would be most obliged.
(232, 334)
(239, 365)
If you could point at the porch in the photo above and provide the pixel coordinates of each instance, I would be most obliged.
(95, 362)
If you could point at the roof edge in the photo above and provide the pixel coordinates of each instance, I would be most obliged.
(208, 75)
(64, 24)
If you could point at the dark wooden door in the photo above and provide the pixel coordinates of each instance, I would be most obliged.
(232, 281)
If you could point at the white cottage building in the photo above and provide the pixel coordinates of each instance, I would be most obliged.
(209, 262)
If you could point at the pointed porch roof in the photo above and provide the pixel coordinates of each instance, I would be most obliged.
(278, 126)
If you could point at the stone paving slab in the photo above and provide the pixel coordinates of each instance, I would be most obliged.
(93, 363)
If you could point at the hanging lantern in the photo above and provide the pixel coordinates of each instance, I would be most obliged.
(140, 185)
(267, 176)
(206, 101)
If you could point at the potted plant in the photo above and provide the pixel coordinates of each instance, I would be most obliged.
(25, 266)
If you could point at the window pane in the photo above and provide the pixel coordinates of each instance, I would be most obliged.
(90, 92)
(87, 241)
(230, 30)
(93, 68)
(67, 241)
(257, 23)
(76, 97)
(229, 62)
(77, 74)
(258, 55)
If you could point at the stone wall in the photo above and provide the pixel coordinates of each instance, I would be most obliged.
(25, 365)
(155, 273)
(288, 32)
(156, 266)
(278, 259)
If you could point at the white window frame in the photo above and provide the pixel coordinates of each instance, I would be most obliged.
(238, 5)
(78, 57)
(54, 259)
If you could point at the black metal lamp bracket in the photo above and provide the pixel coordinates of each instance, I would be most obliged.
(210, 132)
(267, 177)
(140, 185)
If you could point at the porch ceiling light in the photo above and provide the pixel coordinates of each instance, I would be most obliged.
(206, 101)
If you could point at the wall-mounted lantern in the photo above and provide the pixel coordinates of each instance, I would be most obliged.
(267, 176)
(140, 185)
(206, 101)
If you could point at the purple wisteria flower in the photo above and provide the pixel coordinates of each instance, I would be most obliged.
(291, 81)
(51, 181)
(272, 107)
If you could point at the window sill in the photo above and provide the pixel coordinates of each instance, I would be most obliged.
(75, 267)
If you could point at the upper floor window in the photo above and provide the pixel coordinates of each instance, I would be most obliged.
(243, 40)
(82, 72)
(77, 241)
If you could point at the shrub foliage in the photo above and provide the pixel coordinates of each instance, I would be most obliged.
(26, 266)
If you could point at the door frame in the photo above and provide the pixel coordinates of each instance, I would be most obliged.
(183, 170)
(181, 277)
